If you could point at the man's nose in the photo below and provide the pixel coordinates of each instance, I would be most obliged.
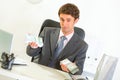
(65, 23)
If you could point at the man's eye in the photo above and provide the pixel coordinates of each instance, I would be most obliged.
(68, 20)
(61, 19)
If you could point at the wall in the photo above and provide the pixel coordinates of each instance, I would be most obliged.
(99, 18)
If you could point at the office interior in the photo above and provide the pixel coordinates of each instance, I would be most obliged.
(99, 18)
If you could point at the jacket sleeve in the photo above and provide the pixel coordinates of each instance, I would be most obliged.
(79, 58)
(33, 52)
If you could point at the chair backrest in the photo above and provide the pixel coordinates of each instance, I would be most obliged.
(53, 23)
(106, 68)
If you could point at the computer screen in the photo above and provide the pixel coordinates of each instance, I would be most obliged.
(5, 41)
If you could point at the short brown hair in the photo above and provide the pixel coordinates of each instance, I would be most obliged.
(70, 9)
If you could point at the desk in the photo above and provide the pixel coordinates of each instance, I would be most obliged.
(33, 71)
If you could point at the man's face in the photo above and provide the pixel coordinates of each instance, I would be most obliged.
(67, 23)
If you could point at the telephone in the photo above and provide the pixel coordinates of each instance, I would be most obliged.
(7, 60)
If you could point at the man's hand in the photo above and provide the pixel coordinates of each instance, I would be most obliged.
(33, 44)
(64, 67)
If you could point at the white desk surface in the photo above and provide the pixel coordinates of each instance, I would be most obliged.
(32, 71)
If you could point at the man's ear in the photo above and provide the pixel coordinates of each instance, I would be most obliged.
(76, 20)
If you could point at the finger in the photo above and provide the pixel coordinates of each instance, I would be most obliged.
(64, 68)
(33, 45)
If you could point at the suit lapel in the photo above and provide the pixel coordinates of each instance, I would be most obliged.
(69, 48)
(53, 39)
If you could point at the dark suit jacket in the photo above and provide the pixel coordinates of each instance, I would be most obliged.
(75, 50)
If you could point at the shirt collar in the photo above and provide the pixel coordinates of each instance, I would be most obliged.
(68, 36)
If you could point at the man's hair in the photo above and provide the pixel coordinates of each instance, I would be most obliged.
(69, 9)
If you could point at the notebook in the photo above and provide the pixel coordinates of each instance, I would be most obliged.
(5, 41)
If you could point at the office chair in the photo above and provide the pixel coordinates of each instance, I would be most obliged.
(53, 23)
(106, 68)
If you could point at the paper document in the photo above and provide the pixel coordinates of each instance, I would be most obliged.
(19, 61)
(32, 38)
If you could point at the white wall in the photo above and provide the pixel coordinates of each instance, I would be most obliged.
(99, 18)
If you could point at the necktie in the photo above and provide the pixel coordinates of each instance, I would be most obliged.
(59, 46)
(57, 50)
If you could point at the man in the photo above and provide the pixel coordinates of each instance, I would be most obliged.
(74, 48)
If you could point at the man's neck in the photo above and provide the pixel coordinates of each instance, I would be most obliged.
(67, 33)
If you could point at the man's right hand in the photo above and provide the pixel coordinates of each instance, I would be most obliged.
(33, 44)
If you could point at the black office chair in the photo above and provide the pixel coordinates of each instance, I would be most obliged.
(52, 23)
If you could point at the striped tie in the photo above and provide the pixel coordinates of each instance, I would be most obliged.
(57, 50)
(60, 46)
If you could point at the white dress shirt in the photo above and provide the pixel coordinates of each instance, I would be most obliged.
(68, 37)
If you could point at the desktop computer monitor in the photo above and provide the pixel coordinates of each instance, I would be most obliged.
(5, 41)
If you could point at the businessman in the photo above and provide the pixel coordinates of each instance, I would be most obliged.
(61, 43)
